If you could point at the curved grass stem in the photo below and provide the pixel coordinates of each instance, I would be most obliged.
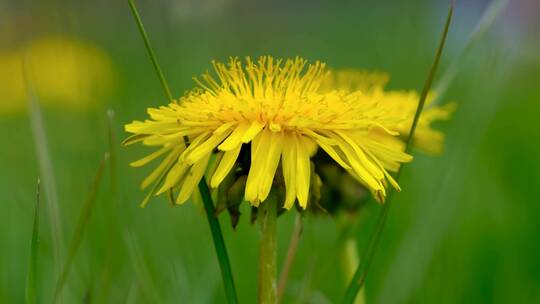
(361, 271)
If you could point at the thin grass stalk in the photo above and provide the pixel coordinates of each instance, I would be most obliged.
(112, 154)
(215, 228)
(350, 260)
(150, 50)
(360, 275)
(132, 293)
(428, 83)
(31, 286)
(82, 222)
(289, 259)
(110, 211)
(219, 243)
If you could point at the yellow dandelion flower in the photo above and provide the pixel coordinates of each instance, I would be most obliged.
(398, 104)
(273, 108)
(404, 103)
(65, 72)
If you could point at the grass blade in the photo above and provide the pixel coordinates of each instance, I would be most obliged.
(429, 81)
(360, 275)
(219, 243)
(215, 228)
(150, 50)
(45, 165)
(31, 289)
(82, 222)
(350, 260)
(112, 153)
(110, 212)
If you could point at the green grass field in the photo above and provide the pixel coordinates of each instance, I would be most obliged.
(463, 230)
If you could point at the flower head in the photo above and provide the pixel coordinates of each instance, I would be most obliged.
(339, 194)
(403, 104)
(273, 112)
(398, 104)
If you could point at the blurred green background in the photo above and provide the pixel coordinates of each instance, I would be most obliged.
(465, 229)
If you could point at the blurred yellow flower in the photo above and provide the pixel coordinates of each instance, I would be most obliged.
(355, 80)
(404, 104)
(64, 72)
(399, 104)
(274, 107)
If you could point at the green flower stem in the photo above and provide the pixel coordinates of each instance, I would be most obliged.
(268, 252)
(215, 228)
(361, 271)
